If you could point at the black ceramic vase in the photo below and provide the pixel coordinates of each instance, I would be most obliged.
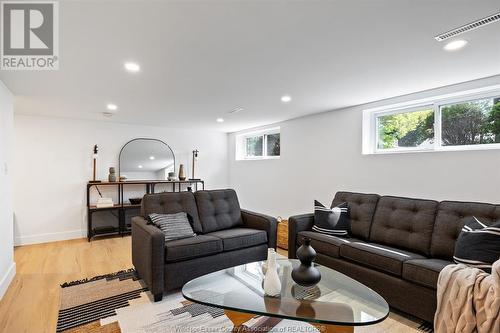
(306, 274)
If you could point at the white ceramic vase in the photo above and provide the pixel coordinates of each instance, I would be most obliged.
(272, 283)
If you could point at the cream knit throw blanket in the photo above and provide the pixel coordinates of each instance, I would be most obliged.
(468, 300)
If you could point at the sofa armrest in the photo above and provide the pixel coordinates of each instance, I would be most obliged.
(148, 254)
(261, 222)
(297, 224)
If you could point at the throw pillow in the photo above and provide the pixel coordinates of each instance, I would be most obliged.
(332, 221)
(478, 245)
(174, 226)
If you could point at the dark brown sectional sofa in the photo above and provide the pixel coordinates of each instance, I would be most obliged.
(398, 245)
(226, 236)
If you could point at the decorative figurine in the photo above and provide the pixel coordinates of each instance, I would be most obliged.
(182, 174)
(272, 283)
(306, 274)
(112, 175)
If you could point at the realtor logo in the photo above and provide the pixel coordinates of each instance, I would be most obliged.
(29, 37)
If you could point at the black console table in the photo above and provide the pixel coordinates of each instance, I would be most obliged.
(121, 207)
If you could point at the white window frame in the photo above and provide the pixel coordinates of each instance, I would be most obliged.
(241, 152)
(370, 121)
(398, 111)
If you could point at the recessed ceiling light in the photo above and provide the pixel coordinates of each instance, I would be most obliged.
(455, 45)
(112, 107)
(139, 166)
(132, 67)
(286, 98)
(219, 120)
(151, 157)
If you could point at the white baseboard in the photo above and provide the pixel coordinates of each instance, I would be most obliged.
(49, 237)
(7, 279)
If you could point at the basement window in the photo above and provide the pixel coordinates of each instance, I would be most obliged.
(405, 129)
(462, 121)
(258, 145)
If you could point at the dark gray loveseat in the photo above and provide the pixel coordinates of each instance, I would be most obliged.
(226, 236)
(398, 245)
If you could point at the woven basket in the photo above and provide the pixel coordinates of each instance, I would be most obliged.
(283, 234)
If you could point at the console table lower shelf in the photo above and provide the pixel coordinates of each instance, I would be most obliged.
(120, 228)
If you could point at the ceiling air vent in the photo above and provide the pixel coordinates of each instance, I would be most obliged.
(468, 27)
(236, 110)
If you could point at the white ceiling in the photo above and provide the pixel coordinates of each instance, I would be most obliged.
(200, 59)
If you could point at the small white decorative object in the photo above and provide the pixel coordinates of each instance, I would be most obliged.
(104, 202)
(264, 265)
(272, 283)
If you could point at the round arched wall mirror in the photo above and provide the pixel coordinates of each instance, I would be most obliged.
(146, 159)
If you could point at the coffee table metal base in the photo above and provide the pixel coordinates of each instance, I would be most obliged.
(239, 318)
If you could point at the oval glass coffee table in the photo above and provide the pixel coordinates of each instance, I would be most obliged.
(336, 304)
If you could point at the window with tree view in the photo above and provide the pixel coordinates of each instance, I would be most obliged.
(273, 144)
(408, 129)
(259, 145)
(471, 123)
(439, 125)
(254, 146)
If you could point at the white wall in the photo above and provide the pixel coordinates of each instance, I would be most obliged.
(321, 154)
(7, 265)
(52, 163)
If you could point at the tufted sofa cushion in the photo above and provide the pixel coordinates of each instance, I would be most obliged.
(192, 247)
(451, 217)
(404, 223)
(380, 257)
(362, 207)
(171, 203)
(218, 210)
(240, 238)
(325, 244)
(424, 271)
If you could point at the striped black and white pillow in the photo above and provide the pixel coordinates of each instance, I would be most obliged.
(478, 245)
(174, 226)
(332, 221)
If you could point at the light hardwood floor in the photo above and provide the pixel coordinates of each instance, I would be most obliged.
(32, 300)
